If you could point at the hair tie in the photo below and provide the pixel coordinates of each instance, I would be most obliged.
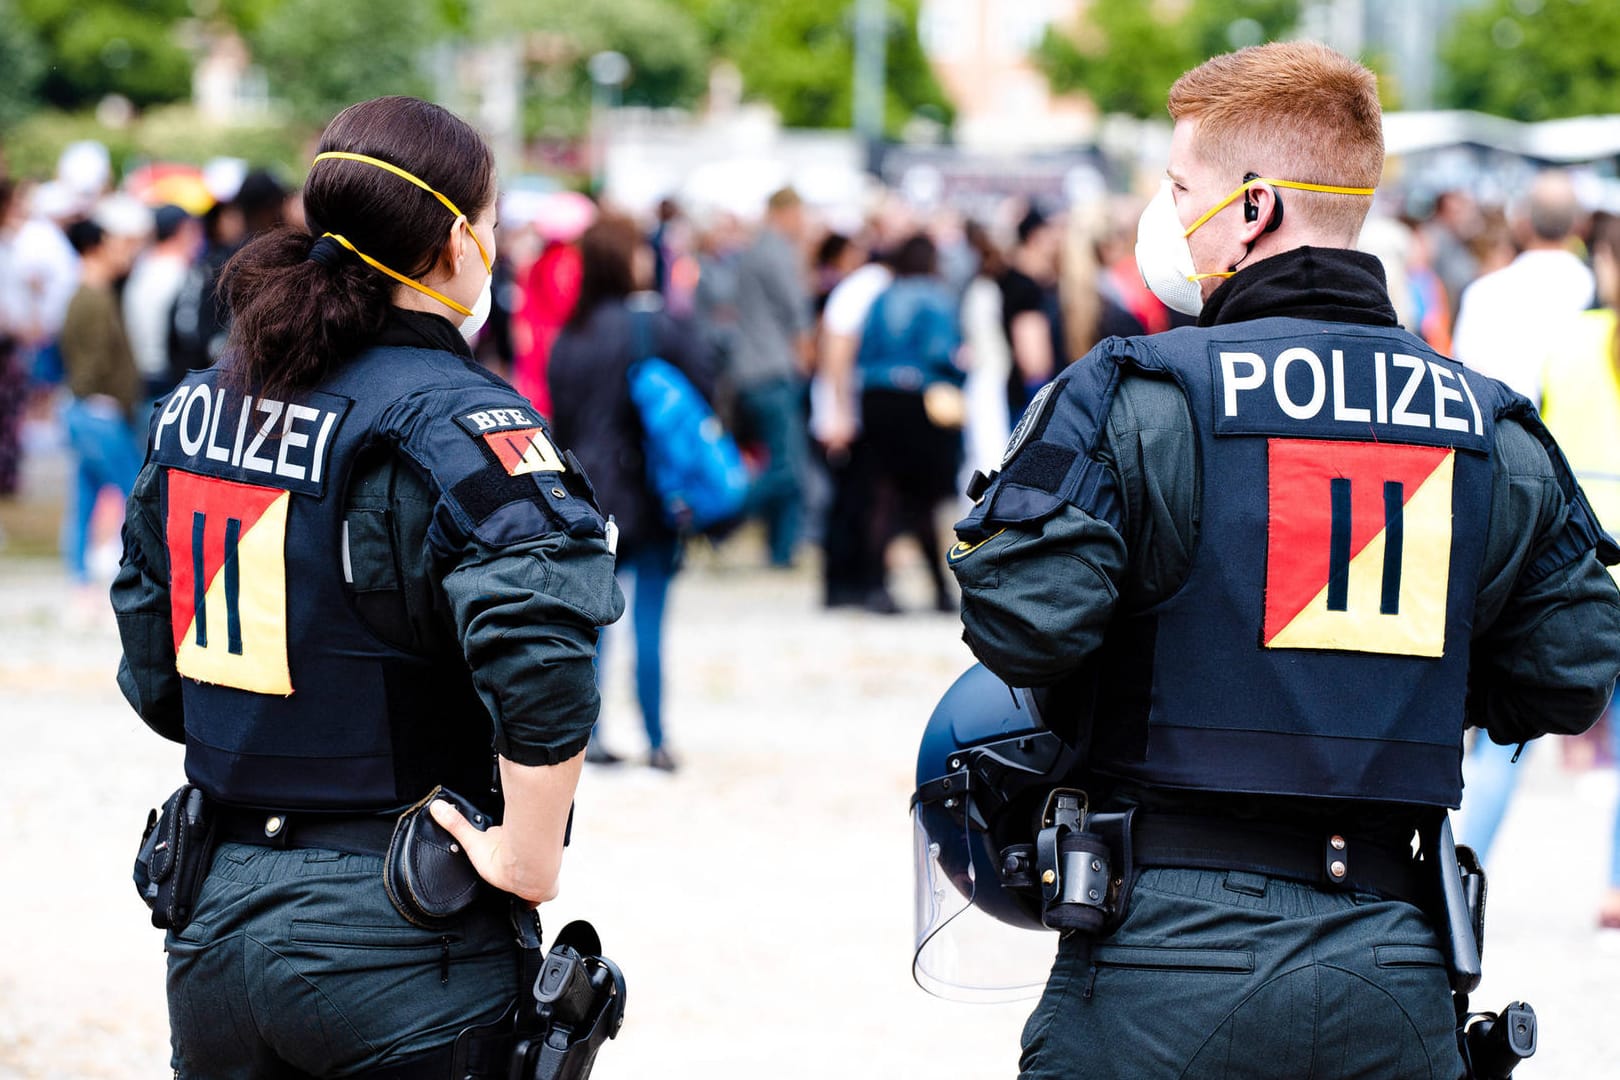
(326, 252)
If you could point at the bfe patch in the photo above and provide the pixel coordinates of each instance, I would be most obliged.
(516, 439)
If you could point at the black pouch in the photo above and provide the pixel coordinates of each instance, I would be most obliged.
(176, 849)
(429, 878)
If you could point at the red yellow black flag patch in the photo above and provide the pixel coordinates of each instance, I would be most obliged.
(228, 582)
(524, 451)
(1358, 546)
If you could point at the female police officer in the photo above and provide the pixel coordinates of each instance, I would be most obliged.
(354, 563)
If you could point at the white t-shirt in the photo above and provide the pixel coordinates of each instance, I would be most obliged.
(42, 276)
(845, 314)
(1504, 317)
(148, 296)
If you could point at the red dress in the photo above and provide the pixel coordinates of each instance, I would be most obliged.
(549, 295)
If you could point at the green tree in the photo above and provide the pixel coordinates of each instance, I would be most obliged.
(799, 56)
(1534, 59)
(19, 67)
(98, 47)
(664, 46)
(1126, 55)
(320, 56)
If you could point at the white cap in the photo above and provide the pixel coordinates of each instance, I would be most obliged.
(123, 215)
(85, 167)
(54, 201)
(223, 177)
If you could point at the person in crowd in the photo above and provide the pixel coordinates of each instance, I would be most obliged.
(1155, 552)
(768, 369)
(836, 424)
(150, 292)
(1088, 304)
(618, 321)
(197, 322)
(1580, 401)
(720, 247)
(912, 411)
(1451, 234)
(662, 241)
(44, 276)
(1031, 314)
(105, 385)
(991, 361)
(1504, 313)
(550, 291)
(380, 600)
(14, 326)
(1501, 328)
(1122, 281)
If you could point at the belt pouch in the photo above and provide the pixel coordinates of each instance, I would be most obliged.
(428, 877)
(175, 853)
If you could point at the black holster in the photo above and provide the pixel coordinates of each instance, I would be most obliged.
(176, 849)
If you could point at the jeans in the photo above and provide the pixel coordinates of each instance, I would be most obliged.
(1228, 974)
(1490, 777)
(770, 414)
(652, 567)
(108, 456)
(297, 965)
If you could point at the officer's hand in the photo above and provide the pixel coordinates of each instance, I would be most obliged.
(492, 857)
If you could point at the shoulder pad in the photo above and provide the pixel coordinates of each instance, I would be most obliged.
(501, 477)
(1050, 458)
(1582, 532)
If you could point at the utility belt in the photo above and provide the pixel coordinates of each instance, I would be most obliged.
(571, 999)
(1085, 866)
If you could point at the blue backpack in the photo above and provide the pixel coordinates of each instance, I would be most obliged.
(693, 465)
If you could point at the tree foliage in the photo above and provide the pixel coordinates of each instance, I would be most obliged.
(100, 47)
(320, 56)
(1534, 59)
(1125, 56)
(20, 67)
(799, 56)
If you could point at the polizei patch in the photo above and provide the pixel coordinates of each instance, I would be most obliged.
(516, 438)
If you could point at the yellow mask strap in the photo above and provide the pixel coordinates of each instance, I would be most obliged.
(340, 155)
(1298, 185)
(397, 276)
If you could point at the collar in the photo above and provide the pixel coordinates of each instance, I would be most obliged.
(1323, 284)
(422, 330)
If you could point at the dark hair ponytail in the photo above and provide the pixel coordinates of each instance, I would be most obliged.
(292, 315)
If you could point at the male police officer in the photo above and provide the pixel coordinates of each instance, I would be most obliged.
(1276, 563)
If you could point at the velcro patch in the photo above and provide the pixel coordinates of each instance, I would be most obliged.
(515, 437)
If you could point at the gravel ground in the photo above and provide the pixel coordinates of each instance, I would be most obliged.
(759, 900)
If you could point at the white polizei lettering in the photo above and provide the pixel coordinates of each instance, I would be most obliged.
(1443, 394)
(1341, 411)
(1279, 383)
(171, 413)
(1479, 422)
(187, 443)
(272, 410)
(213, 451)
(320, 447)
(289, 437)
(1232, 382)
(482, 419)
(1402, 415)
(241, 431)
(1381, 387)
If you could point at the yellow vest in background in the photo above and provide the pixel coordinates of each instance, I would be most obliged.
(1580, 403)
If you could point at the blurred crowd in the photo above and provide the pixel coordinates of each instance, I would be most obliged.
(866, 363)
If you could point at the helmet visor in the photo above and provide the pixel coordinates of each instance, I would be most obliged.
(962, 953)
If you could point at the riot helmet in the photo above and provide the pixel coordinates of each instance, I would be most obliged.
(984, 770)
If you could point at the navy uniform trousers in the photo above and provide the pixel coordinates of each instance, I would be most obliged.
(1237, 975)
(296, 965)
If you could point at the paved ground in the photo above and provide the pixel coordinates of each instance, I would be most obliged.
(759, 900)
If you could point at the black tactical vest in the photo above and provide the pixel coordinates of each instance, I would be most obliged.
(291, 700)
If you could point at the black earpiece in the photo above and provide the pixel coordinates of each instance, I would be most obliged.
(1251, 209)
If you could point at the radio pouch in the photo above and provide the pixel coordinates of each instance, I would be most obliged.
(428, 877)
(173, 861)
